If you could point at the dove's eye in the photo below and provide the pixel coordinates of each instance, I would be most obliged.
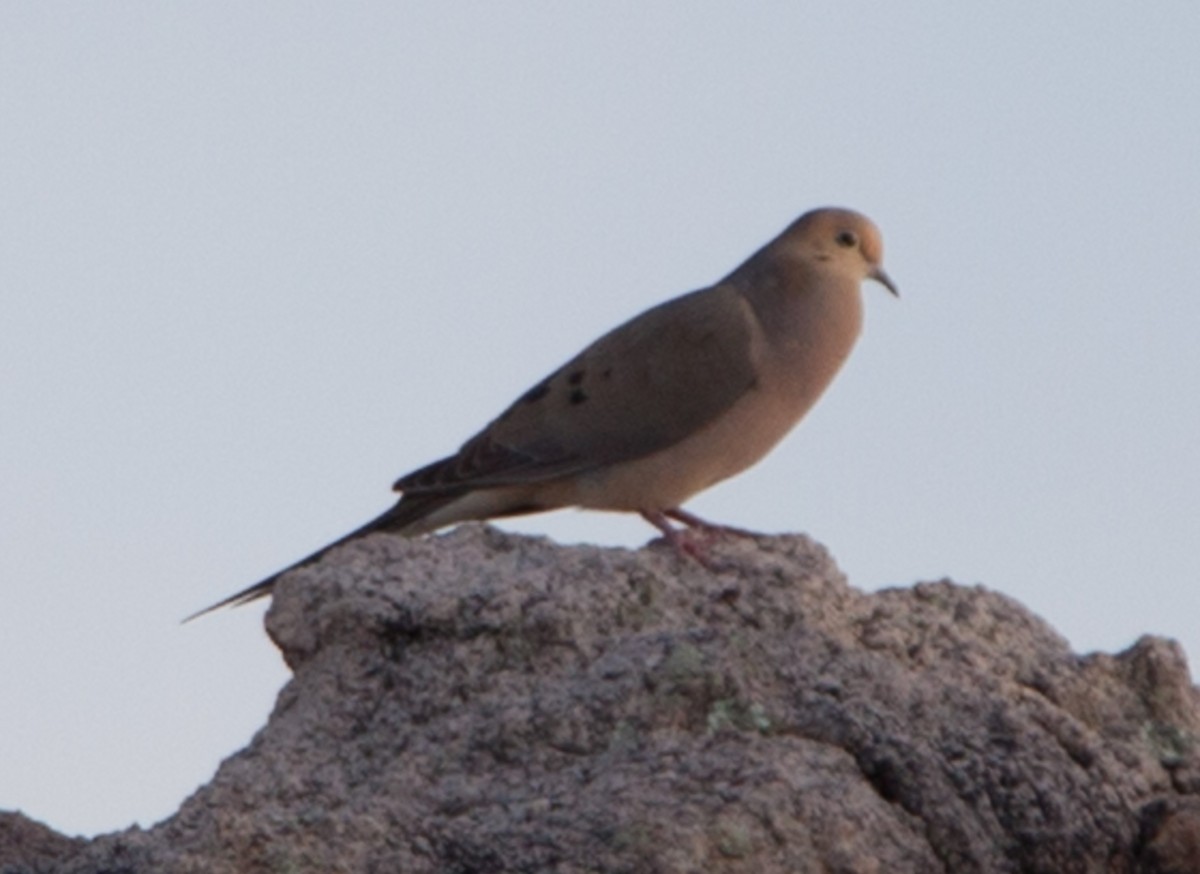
(847, 239)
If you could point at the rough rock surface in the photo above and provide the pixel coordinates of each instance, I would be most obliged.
(484, 702)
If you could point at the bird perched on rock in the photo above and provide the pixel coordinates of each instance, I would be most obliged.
(688, 393)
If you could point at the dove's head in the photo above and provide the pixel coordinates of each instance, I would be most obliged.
(836, 239)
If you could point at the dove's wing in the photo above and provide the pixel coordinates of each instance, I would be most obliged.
(639, 389)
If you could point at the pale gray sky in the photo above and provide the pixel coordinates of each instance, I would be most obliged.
(257, 260)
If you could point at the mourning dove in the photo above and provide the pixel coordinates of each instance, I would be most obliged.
(688, 393)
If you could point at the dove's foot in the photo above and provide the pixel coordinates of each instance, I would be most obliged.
(712, 529)
(693, 541)
(688, 543)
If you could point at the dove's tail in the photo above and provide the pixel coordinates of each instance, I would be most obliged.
(405, 515)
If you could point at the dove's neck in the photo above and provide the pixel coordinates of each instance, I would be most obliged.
(789, 304)
(809, 318)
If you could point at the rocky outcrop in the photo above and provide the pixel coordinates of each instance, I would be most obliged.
(485, 702)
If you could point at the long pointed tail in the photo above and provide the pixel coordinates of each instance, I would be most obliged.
(405, 513)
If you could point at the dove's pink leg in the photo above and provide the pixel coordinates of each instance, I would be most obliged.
(683, 542)
(693, 521)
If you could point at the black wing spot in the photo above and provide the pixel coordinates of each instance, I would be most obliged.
(536, 393)
(576, 378)
(578, 396)
(606, 373)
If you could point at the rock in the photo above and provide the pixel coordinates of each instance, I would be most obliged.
(31, 845)
(486, 702)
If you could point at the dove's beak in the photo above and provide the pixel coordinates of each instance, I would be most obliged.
(883, 279)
